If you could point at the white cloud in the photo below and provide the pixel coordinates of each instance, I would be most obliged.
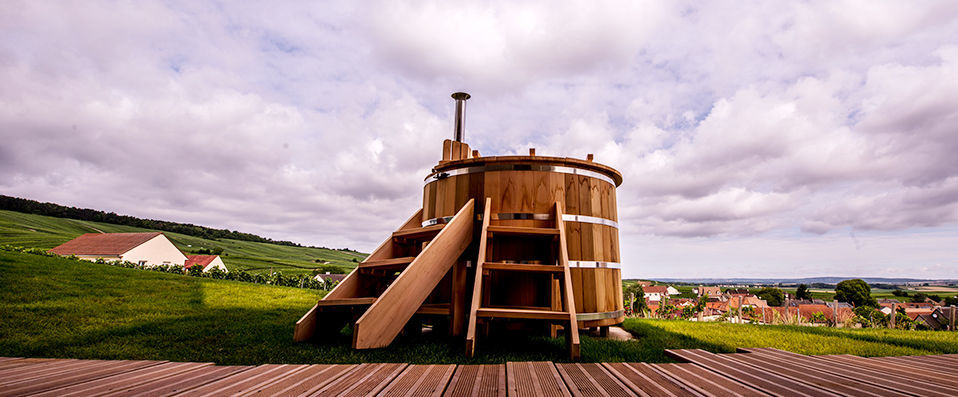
(317, 123)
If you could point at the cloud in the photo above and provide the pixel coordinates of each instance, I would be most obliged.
(317, 123)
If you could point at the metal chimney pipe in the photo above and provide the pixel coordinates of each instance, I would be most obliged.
(459, 132)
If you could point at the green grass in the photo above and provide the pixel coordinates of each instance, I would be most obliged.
(726, 337)
(57, 307)
(38, 231)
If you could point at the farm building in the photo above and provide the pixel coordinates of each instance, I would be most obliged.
(147, 249)
(501, 244)
(208, 262)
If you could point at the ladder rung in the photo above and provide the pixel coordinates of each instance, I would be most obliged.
(428, 308)
(434, 308)
(522, 313)
(346, 302)
(419, 232)
(393, 262)
(522, 267)
(525, 231)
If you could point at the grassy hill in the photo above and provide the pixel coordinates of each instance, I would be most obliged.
(58, 307)
(38, 231)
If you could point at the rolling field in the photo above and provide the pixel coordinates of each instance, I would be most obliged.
(38, 231)
(63, 308)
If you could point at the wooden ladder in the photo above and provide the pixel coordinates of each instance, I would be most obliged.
(383, 302)
(562, 314)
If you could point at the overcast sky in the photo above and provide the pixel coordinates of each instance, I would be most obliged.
(773, 139)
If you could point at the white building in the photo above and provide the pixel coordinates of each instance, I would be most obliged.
(148, 249)
(208, 262)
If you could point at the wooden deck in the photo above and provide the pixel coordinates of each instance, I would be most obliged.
(752, 372)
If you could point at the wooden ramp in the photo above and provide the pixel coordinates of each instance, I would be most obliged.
(753, 372)
(383, 293)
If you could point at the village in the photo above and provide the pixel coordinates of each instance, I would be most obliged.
(738, 305)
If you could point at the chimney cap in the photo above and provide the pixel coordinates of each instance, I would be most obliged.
(460, 96)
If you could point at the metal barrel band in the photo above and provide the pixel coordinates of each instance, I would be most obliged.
(506, 216)
(436, 221)
(595, 264)
(518, 167)
(599, 316)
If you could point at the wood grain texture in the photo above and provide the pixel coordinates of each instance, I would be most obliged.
(380, 324)
(477, 283)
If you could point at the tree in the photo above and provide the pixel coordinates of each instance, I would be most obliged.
(918, 297)
(855, 291)
(951, 301)
(803, 293)
(773, 296)
(640, 306)
(899, 293)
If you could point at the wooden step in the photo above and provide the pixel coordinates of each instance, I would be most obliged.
(419, 233)
(392, 262)
(518, 267)
(346, 302)
(522, 313)
(522, 231)
(428, 308)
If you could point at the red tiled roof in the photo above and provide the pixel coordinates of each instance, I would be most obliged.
(198, 260)
(653, 289)
(103, 243)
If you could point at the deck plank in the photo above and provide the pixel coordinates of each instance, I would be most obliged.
(916, 376)
(112, 383)
(645, 381)
(420, 380)
(36, 369)
(177, 384)
(364, 380)
(591, 380)
(819, 378)
(878, 378)
(244, 381)
(752, 376)
(317, 375)
(478, 380)
(107, 368)
(754, 372)
(908, 363)
(705, 382)
(535, 378)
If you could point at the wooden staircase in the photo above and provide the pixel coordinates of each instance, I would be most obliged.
(562, 305)
(384, 292)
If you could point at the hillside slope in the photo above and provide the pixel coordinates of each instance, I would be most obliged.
(46, 232)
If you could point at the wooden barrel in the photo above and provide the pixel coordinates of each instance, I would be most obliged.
(524, 190)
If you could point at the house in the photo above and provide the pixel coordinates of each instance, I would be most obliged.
(655, 293)
(708, 291)
(146, 249)
(672, 291)
(208, 262)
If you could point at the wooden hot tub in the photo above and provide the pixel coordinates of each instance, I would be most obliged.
(523, 192)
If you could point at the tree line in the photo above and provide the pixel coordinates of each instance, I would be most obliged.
(85, 214)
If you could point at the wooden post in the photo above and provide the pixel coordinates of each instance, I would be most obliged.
(951, 322)
(632, 303)
(835, 313)
(532, 151)
(739, 309)
(701, 316)
(763, 315)
(894, 314)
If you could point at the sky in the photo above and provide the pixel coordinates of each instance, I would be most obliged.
(756, 139)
